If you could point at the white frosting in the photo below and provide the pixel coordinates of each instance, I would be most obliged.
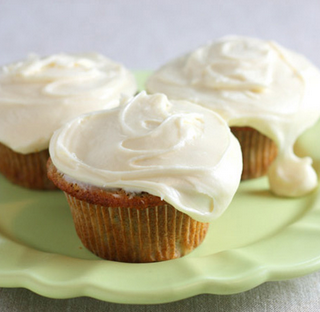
(178, 151)
(39, 94)
(255, 83)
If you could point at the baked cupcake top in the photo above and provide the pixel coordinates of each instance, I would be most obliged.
(38, 95)
(181, 152)
(256, 83)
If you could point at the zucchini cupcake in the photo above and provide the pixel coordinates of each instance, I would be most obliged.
(267, 94)
(144, 180)
(38, 95)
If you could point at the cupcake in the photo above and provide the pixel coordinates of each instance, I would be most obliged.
(144, 180)
(267, 94)
(38, 95)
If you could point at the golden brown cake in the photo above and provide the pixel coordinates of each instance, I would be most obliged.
(129, 227)
(141, 181)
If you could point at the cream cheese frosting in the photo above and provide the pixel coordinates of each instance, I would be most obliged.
(38, 95)
(256, 83)
(176, 150)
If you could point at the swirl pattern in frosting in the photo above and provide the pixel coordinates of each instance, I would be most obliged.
(176, 150)
(39, 94)
(256, 83)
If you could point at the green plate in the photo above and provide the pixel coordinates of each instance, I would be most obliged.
(259, 238)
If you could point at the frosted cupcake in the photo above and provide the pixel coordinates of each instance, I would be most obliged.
(144, 180)
(38, 95)
(267, 94)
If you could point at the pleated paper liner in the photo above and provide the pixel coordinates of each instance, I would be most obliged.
(136, 234)
(27, 170)
(258, 152)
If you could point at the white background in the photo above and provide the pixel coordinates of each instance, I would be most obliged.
(144, 34)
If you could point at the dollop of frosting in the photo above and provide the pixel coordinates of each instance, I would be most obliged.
(38, 95)
(256, 83)
(176, 150)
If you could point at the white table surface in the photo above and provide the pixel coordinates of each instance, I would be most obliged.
(144, 34)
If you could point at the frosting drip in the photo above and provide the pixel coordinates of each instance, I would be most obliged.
(178, 151)
(39, 94)
(255, 83)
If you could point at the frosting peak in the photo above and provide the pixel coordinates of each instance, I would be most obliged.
(239, 64)
(176, 150)
(53, 67)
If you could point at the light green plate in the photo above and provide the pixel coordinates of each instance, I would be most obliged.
(259, 238)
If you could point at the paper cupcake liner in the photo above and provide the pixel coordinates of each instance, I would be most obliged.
(27, 170)
(258, 152)
(135, 234)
